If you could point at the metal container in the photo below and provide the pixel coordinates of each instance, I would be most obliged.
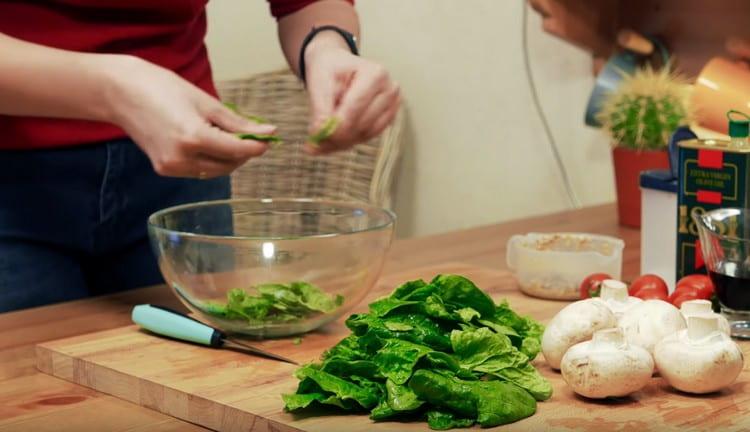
(712, 174)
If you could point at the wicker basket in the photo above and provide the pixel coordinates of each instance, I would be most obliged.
(362, 173)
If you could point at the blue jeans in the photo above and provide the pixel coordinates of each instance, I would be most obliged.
(73, 221)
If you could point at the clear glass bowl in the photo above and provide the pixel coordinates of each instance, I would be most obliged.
(207, 249)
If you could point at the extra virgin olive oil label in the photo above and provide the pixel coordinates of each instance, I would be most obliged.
(711, 175)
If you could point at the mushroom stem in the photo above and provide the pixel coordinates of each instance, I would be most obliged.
(614, 290)
(700, 326)
(696, 307)
(611, 337)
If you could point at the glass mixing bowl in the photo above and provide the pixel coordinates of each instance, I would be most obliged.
(271, 267)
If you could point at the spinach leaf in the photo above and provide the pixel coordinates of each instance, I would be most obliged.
(275, 303)
(467, 314)
(443, 420)
(433, 306)
(473, 347)
(401, 397)
(326, 130)
(397, 326)
(348, 348)
(532, 342)
(528, 378)
(339, 387)
(397, 358)
(384, 306)
(407, 288)
(346, 368)
(441, 350)
(462, 292)
(500, 328)
(382, 411)
(482, 350)
(256, 119)
(298, 401)
(268, 138)
(491, 403)
(373, 331)
(315, 299)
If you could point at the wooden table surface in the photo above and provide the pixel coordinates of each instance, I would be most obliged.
(30, 400)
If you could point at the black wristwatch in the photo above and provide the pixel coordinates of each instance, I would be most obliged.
(350, 39)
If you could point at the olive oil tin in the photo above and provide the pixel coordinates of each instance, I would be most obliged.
(712, 174)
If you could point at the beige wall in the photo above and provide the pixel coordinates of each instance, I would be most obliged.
(475, 151)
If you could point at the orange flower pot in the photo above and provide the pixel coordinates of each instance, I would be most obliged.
(628, 166)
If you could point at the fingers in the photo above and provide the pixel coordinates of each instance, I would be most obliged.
(207, 152)
(379, 113)
(217, 143)
(383, 103)
(385, 119)
(205, 167)
(230, 121)
(367, 83)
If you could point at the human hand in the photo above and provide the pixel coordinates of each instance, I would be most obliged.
(357, 91)
(184, 131)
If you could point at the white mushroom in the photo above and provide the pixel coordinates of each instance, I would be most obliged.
(615, 294)
(700, 359)
(702, 308)
(607, 366)
(649, 322)
(575, 323)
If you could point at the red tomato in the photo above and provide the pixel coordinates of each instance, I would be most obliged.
(678, 297)
(647, 281)
(698, 282)
(651, 293)
(591, 286)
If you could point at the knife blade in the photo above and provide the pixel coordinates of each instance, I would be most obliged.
(176, 325)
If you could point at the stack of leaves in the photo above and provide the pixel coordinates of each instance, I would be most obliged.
(275, 303)
(443, 351)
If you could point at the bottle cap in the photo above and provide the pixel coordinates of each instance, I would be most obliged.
(738, 127)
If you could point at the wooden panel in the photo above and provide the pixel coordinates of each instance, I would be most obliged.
(230, 391)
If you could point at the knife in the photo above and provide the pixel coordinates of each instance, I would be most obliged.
(170, 323)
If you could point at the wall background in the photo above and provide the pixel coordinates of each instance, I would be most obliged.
(475, 151)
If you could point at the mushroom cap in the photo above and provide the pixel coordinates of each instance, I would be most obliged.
(649, 322)
(606, 366)
(699, 359)
(575, 323)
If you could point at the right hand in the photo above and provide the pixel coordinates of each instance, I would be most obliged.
(184, 131)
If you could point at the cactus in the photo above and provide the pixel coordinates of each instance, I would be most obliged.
(646, 108)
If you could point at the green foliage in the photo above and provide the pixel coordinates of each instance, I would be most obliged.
(325, 131)
(443, 352)
(275, 303)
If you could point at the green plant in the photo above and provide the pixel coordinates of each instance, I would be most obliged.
(646, 108)
(442, 351)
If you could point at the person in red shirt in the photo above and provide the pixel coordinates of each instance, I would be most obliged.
(108, 113)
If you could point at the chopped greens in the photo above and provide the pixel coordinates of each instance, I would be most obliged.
(256, 119)
(267, 138)
(260, 137)
(275, 303)
(325, 131)
(442, 352)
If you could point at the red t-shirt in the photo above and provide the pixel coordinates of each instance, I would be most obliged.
(168, 33)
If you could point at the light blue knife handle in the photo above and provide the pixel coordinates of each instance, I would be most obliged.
(174, 325)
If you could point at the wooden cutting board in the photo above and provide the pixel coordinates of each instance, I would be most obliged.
(226, 390)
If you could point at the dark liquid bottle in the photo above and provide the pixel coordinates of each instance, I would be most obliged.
(733, 290)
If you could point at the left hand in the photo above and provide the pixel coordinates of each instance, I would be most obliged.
(357, 91)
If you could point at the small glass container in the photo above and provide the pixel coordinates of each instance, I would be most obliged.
(552, 265)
